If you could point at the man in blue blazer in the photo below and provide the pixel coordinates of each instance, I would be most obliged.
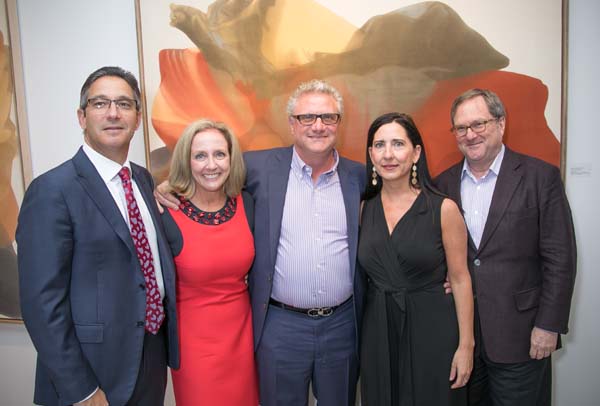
(88, 295)
(305, 289)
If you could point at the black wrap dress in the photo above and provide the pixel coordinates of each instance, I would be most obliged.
(410, 330)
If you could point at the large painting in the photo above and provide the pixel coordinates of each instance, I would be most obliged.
(15, 167)
(237, 61)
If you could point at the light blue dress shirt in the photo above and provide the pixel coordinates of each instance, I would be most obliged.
(476, 196)
(313, 264)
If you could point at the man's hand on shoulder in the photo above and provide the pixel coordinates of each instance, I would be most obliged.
(97, 399)
(164, 197)
(543, 343)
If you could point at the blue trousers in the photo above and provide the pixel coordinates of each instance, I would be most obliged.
(296, 349)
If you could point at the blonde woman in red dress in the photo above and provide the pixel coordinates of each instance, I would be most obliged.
(211, 239)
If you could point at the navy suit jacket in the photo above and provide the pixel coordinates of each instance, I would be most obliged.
(524, 268)
(267, 179)
(81, 285)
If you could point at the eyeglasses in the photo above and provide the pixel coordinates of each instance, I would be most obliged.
(103, 104)
(309, 119)
(477, 127)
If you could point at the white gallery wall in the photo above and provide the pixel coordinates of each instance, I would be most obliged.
(65, 40)
(577, 367)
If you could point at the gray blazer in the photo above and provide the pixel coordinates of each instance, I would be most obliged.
(524, 269)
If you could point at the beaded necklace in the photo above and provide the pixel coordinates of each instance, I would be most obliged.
(211, 218)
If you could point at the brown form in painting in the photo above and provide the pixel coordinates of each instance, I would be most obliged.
(251, 54)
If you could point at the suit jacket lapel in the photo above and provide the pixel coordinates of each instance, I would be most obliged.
(94, 186)
(279, 174)
(454, 185)
(146, 191)
(508, 179)
(350, 192)
(454, 194)
(146, 188)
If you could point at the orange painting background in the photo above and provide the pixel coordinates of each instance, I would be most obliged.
(250, 55)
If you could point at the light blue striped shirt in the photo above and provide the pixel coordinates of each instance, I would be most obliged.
(313, 265)
(476, 196)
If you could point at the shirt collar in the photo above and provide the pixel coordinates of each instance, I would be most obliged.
(299, 166)
(107, 168)
(494, 168)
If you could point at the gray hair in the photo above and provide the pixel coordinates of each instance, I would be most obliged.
(110, 71)
(493, 102)
(314, 86)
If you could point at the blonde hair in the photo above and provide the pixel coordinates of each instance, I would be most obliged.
(180, 176)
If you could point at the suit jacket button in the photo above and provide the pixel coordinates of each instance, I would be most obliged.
(142, 286)
(140, 324)
(477, 262)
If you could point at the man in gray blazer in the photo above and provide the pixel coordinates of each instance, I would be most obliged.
(97, 281)
(521, 254)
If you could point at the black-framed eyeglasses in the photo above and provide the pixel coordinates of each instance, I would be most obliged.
(326, 118)
(103, 104)
(476, 126)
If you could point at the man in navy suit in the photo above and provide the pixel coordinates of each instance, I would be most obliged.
(306, 291)
(87, 284)
(521, 255)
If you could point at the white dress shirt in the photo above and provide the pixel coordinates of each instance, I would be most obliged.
(109, 172)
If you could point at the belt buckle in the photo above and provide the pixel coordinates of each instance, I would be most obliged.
(320, 312)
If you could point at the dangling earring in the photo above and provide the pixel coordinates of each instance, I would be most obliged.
(413, 175)
(374, 177)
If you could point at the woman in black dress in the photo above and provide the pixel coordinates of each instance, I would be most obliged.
(417, 341)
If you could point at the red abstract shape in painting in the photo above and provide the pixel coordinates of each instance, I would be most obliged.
(526, 131)
(189, 92)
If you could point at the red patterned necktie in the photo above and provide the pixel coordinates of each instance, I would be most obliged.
(155, 313)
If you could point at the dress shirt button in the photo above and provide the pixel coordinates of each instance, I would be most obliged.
(140, 324)
(477, 262)
(264, 305)
(142, 286)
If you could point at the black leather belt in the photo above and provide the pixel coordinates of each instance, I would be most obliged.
(312, 312)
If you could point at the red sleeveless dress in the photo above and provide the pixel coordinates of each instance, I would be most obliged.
(215, 322)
